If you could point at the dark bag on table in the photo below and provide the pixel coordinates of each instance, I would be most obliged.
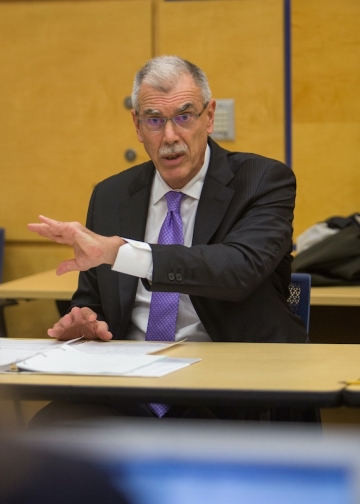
(334, 260)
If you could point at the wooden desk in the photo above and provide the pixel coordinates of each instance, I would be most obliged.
(327, 325)
(46, 285)
(335, 314)
(335, 296)
(264, 374)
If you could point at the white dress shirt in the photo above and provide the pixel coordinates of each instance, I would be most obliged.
(135, 258)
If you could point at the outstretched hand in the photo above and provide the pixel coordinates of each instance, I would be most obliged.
(90, 249)
(80, 322)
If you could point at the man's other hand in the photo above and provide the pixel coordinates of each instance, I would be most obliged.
(80, 322)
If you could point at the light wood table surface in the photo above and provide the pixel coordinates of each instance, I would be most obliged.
(336, 296)
(48, 285)
(249, 373)
(45, 285)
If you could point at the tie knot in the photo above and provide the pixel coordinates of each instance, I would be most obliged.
(173, 200)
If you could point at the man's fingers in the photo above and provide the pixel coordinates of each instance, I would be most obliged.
(81, 316)
(64, 334)
(102, 331)
(56, 227)
(48, 225)
(80, 322)
(60, 232)
(51, 222)
(41, 229)
(66, 266)
(91, 331)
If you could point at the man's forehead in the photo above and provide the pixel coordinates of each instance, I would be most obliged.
(185, 92)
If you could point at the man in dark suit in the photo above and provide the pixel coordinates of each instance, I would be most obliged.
(232, 270)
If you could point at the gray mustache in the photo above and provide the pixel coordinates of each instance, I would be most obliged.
(173, 149)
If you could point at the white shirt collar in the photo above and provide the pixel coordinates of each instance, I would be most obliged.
(193, 188)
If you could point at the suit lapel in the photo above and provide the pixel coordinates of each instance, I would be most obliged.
(215, 196)
(133, 210)
(133, 214)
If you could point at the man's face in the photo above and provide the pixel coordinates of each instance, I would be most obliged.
(177, 153)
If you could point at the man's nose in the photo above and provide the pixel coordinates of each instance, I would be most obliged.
(170, 132)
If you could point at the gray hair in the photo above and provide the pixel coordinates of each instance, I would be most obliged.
(162, 73)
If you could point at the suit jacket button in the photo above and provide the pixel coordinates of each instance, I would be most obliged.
(178, 277)
(171, 276)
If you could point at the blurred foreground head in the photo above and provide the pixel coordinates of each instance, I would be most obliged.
(36, 476)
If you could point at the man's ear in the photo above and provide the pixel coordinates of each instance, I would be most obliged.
(137, 125)
(211, 116)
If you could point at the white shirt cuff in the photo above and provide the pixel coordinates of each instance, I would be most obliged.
(134, 258)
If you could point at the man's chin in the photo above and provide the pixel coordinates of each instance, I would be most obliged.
(176, 177)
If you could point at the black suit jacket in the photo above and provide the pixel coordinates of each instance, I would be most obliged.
(238, 268)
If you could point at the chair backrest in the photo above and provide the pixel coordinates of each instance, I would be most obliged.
(3, 302)
(2, 248)
(299, 296)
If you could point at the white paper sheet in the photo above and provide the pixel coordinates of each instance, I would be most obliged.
(162, 367)
(121, 347)
(13, 350)
(68, 360)
(118, 358)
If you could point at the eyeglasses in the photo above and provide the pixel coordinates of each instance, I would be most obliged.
(183, 121)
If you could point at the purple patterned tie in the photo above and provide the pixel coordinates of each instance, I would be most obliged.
(164, 305)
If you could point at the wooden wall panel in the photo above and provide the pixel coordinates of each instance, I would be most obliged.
(240, 47)
(66, 69)
(326, 108)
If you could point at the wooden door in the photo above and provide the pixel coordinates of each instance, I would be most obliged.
(66, 69)
(239, 44)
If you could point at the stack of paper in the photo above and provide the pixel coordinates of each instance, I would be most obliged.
(88, 357)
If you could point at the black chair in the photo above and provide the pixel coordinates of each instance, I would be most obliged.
(299, 296)
(3, 302)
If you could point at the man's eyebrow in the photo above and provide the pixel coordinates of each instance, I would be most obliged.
(151, 112)
(178, 110)
(184, 107)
